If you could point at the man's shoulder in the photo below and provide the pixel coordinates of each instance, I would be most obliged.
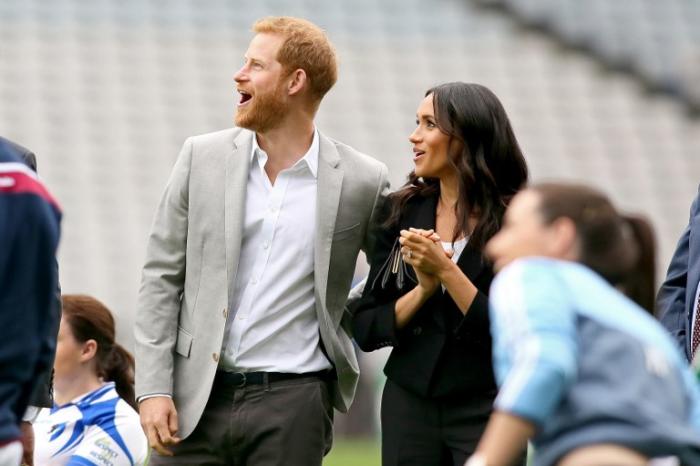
(351, 155)
(224, 136)
(20, 183)
(26, 156)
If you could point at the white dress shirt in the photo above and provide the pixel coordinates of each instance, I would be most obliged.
(273, 325)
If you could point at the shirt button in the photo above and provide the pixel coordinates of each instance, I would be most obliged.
(225, 313)
(266, 245)
(254, 280)
(215, 357)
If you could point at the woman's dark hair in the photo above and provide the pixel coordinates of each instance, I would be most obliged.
(89, 319)
(490, 164)
(619, 247)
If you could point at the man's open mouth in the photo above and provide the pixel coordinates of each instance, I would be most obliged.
(245, 98)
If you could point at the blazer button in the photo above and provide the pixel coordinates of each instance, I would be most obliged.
(417, 331)
(215, 357)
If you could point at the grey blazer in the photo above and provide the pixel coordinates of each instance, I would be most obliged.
(192, 258)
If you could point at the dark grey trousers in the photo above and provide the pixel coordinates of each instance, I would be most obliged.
(419, 431)
(288, 423)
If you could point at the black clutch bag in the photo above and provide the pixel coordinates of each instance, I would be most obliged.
(393, 271)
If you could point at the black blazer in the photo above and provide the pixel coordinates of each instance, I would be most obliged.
(440, 352)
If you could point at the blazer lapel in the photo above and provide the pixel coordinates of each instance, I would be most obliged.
(237, 169)
(471, 262)
(329, 186)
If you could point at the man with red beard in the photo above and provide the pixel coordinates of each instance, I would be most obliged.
(241, 347)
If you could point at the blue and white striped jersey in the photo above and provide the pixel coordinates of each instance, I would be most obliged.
(96, 429)
(586, 365)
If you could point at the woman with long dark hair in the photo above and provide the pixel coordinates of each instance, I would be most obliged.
(93, 419)
(426, 293)
(583, 370)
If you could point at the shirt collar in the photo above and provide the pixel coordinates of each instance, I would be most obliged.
(310, 158)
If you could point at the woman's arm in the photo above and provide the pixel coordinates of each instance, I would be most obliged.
(460, 288)
(408, 304)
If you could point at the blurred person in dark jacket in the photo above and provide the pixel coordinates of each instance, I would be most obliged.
(29, 232)
(678, 301)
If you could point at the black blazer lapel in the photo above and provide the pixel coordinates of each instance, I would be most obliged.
(471, 262)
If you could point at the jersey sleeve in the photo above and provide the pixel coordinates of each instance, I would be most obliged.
(534, 339)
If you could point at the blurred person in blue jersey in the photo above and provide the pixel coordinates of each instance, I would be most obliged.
(678, 301)
(93, 421)
(29, 234)
(242, 345)
(426, 293)
(584, 371)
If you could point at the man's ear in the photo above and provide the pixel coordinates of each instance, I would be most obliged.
(296, 82)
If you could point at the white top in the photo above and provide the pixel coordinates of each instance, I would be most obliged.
(95, 429)
(273, 326)
(458, 247)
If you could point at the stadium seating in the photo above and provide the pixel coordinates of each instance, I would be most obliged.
(106, 92)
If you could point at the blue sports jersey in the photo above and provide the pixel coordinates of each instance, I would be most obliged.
(586, 365)
(96, 429)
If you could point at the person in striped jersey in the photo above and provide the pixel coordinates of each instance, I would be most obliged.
(93, 421)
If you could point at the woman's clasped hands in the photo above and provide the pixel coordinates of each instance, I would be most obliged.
(421, 249)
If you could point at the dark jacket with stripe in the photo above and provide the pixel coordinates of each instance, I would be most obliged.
(43, 393)
(29, 233)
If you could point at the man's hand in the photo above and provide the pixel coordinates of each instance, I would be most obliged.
(159, 422)
(27, 443)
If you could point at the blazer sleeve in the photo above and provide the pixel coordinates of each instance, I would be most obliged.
(162, 284)
(374, 321)
(670, 301)
(377, 211)
(477, 317)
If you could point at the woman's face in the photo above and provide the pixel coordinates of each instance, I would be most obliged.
(69, 352)
(524, 234)
(430, 144)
